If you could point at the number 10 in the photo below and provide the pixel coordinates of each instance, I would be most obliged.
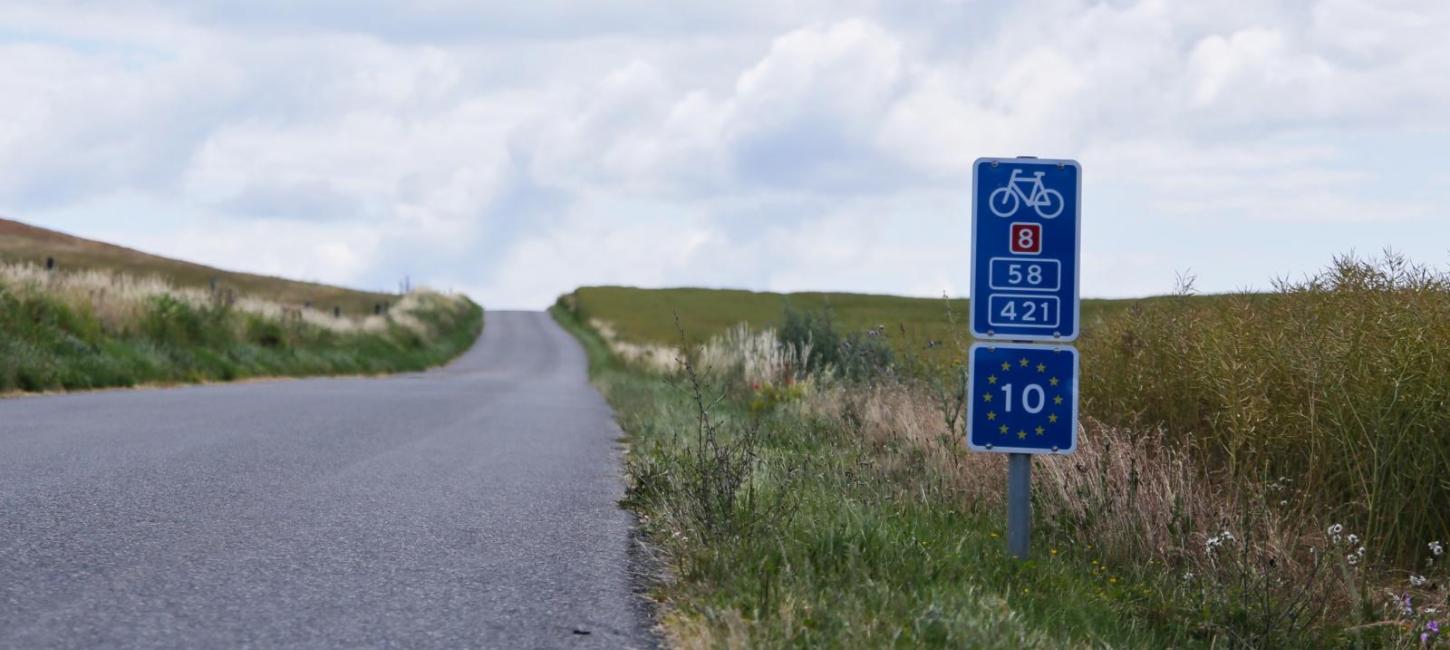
(1027, 398)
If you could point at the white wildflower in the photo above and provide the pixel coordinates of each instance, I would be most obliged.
(1436, 549)
(1353, 539)
(1211, 544)
(1417, 581)
(1336, 529)
(1352, 559)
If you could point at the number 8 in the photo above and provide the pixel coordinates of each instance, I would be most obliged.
(1025, 239)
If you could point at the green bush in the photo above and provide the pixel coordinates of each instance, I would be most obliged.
(266, 332)
(855, 357)
(171, 321)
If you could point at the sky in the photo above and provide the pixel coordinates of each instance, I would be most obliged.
(516, 150)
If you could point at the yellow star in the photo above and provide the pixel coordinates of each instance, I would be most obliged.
(1050, 418)
(1041, 367)
(1006, 366)
(1052, 381)
(992, 379)
(1003, 429)
(987, 397)
(1055, 400)
(992, 415)
(1041, 430)
(1021, 434)
(1022, 362)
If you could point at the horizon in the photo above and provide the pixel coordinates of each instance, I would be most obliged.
(1170, 292)
(516, 153)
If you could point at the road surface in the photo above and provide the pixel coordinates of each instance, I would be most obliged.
(470, 506)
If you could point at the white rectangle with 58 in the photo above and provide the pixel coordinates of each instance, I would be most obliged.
(1025, 275)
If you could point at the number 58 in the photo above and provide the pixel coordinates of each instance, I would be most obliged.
(1015, 276)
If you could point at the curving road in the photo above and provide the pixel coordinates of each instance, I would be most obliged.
(470, 506)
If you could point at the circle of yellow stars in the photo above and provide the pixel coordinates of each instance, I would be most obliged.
(1051, 381)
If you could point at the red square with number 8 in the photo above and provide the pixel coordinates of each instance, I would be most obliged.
(1026, 239)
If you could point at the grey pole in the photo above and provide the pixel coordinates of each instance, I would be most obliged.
(1019, 504)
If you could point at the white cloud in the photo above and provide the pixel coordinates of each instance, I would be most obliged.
(653, 248)
(520, 150)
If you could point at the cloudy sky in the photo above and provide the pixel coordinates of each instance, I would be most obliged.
(517, 150)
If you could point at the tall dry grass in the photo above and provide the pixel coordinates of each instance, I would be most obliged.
(652, 357)
(1340, 381)
(120, 301)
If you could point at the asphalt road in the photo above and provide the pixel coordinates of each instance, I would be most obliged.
(470, 506)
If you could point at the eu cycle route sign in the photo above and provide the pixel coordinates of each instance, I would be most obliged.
(1025, 226)
(1022, 398)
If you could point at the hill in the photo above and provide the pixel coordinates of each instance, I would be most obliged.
(82, 314)
(646, 316)
(20, 242)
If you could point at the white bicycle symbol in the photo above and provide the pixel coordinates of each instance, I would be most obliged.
(1005, 200)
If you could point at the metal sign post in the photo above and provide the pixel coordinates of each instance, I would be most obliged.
(1023, 373)
(1019, 504)
(1022, 400)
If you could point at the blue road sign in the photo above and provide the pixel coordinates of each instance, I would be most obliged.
(1022, 398)
(1025, 226)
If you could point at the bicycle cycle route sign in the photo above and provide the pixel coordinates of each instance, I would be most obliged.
(1025, 227)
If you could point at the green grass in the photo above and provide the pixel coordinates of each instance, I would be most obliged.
(846, 542)
(49, 344)
(645, 316)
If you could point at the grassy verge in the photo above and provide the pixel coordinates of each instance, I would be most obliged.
(66, 332)
(1256, 471)
(838, 540)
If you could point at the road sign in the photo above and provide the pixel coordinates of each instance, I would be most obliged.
(1025, 226)
(1022, 398)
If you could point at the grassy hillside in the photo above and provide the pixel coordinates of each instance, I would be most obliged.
(23, 243)
(1263, 470)
(645, 316)
(84, 324)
